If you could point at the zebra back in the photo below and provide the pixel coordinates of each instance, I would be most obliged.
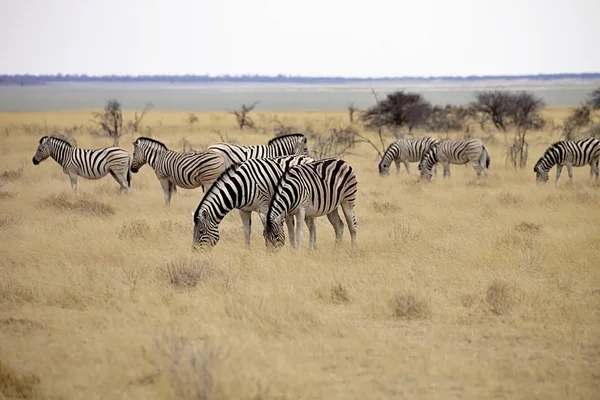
(325, 184)
(405, 151)
(578, 152)
(286, 145)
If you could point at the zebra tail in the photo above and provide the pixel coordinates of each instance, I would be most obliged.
(129, 176)
(488, 159)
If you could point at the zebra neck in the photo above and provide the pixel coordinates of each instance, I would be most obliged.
(60, 153)
(153, 155)
(225, 198)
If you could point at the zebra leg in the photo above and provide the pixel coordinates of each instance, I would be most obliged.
(397, 162)
(246, 217)
(299, 218)
(446, 170)
(312, 233)
(290, 225)
(122, 181)
(407, 166)
(166, 186)
(558, 170)
(351, 221)
(570, 171)
(338, 226)
(73, 178)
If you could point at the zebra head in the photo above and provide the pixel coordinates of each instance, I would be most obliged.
(541, 175)
(273, 231)
(206, 231)
(384, 165)
(427, 162)
(144, 151)
(43, 150)
(139, 156)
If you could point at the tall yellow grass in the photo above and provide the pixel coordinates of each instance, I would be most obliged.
(458, 288)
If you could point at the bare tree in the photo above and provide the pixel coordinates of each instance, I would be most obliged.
(110, 120)
(594, 99)
(192, 119)
(351, 110)
(523, 113)
(494, 106)
(243, 120)
(137, 119)
(448, 118)
(399, 110)
(579, 118)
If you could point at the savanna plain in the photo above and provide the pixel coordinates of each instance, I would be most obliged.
(457, 289)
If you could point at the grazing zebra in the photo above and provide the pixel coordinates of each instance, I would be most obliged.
(459, 152)
(309, 191)
(248, 187)
(87, 163)
(569, 153)
(188, 170)
(286, 145)
(404, 151)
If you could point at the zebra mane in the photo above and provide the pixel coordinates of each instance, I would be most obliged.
(291, 135)
(228, 172)
(281, 178)
(145, 138)
(57, 139)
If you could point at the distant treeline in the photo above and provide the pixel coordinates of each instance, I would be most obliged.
(28, 79)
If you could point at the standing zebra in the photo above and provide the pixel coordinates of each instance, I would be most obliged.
(569, 153)
(87, 163)
(286, 145)
(459, 152)
(188, 170)
(248, 187)
(404, 151)
(309, 191)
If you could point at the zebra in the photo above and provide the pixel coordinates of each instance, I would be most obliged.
(286, 145)
(569, 153)
(87, 163)
(188, 170)
(309, 191)
(459, 152)
(248, 187)
(404, 151)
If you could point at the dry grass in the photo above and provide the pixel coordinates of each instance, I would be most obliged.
(458, 288)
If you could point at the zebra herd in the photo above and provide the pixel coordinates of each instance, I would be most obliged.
(281, 182)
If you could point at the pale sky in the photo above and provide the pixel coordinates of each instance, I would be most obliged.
(303, 37)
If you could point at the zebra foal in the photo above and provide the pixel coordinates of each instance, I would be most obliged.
(569, 153)
(286, 145)
(460, 152)
(406, 152)
(248, 187)
(188, 170)
(309, 191)
(87, 163)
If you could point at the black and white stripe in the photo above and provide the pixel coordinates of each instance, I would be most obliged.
(248, 187)
(460, 152)
(569, 153)
(188, 170)
(309, 191)
(406, 152)
(87, 163)
(286, 145)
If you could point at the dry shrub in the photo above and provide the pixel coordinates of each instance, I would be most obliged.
(405, 233)
(8, 220)
(134, 230)
(385, 208)
(478, 183)
(14, 385)
(410, 306)
(187, 274)
(83, 204)
(531, 259)
(12, 174)
(337, 294)
(501, 297)
(507, 198)
(193, 367)
(528, 227)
